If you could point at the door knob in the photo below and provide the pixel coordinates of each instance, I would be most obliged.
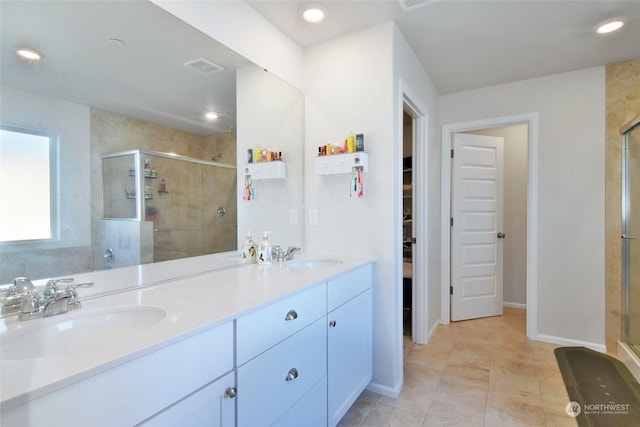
(501, 235)
(230, 392)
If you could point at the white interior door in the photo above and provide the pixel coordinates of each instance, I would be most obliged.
(476, 231)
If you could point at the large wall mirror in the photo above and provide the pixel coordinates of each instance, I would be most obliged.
(125, 87)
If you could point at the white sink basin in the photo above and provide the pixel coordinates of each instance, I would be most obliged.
(77, 331)
(312, 263)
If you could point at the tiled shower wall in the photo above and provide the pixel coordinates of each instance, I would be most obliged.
(623, 105)
(187, 223)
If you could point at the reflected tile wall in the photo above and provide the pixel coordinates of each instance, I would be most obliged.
(186, 222)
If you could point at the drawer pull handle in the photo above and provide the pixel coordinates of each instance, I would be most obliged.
(292, 375)
(332, 324)
(291, 315)
(230, 392)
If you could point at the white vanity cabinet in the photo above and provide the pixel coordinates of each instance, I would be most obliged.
(281, 351)
(298, 355)
(307, 370)
(135, 391)
(212, 406)
(349, 350)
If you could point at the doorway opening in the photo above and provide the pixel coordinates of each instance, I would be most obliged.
(411, 256)
(408, 233)
(520, 225)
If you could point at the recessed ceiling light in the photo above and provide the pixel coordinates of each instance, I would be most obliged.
(211, 115)
(609, 26)
(29, 53)
(313, 13)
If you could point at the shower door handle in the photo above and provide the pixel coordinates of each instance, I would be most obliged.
(626, 236)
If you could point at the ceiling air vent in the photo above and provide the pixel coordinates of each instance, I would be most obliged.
(203, 66)
(407, 5)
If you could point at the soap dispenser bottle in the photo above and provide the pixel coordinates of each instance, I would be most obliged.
(264, 250)
(249, 249)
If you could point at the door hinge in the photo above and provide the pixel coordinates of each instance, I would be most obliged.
(450, 290)
(451, 221)
(452, 153)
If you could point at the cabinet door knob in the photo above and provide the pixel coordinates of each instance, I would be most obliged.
(230, 392)
(291, 315)
(292, 375)
(332, 324)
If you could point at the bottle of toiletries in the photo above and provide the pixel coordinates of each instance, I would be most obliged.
(359, 142)
(264, 250)
(249, 249)
(351, 142)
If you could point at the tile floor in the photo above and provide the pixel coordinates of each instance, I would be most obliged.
(482, 372)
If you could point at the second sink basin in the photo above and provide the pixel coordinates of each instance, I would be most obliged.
(312, 263)
(76, 332)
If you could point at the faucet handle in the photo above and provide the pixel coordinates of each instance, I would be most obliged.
(11, 297)
(30, 302)
(51, 287)
(30, 308)
(276, 252)
(23, 285)
(73, 301)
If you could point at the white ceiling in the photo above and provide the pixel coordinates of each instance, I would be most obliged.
(145, 78)
(476, 43)
(462, 44)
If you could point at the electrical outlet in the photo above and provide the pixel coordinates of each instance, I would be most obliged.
(293, 216)
(313, 217)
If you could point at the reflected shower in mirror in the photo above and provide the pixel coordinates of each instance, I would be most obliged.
(129, 76)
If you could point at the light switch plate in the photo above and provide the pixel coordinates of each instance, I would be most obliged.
(313, 217)
(293, 217)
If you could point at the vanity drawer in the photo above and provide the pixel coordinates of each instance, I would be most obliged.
(342, 288)
(312, 408)
(265, 393)
(264, 328)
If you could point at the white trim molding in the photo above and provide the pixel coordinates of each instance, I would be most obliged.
(567, 342)
(517, 305)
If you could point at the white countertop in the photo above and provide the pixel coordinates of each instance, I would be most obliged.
(193, 302)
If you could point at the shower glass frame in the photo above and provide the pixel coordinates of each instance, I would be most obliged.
(628, 238)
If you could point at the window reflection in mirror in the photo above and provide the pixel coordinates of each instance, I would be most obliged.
(27, 184)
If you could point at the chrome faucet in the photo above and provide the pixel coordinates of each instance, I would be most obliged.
(54, 301)
(16, 292)
(280, 254)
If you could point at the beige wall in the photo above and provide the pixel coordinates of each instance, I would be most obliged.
(623, 105)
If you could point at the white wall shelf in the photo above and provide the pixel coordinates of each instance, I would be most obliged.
(341, 163)
(266, 170)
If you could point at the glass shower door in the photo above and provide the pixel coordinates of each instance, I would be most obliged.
(631, 235)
